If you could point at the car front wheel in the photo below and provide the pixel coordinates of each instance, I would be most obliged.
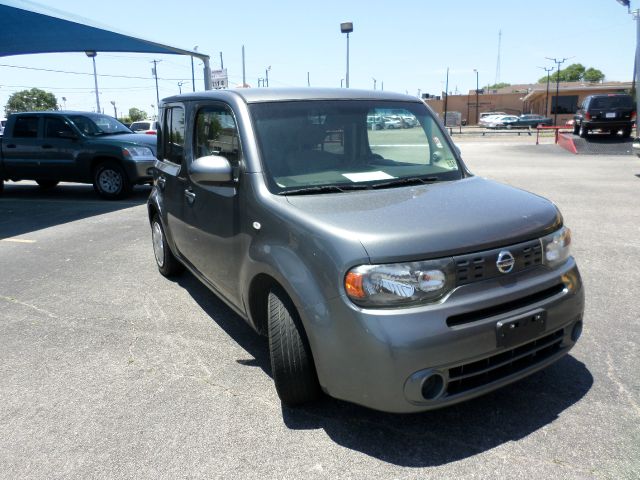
(110, 181)
(292, 364)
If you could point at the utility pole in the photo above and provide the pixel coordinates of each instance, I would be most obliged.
(244, 77)
(558, 62)
(154, 70)
(221, 62)
(193, 77)
(308, 80)
(546, 102)
(180, 87)
(266, 74)
(374, 82)
(477, 92)
(446, 97)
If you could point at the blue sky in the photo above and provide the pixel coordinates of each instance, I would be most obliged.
(405, 45)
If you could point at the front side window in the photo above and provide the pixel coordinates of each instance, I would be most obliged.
(217, 134)
(333, 145)
(173, 135)
(55, 127)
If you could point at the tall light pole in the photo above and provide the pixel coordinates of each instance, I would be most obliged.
(64, 99)
(347, 27)
(446, 97)
(558, 62)
(546, 104)
(636, 70)
(477, 92)
(92, 54)
(193, 77)
(266, 75)
(115, 112)
(154, 70)
(374, 82)
(180, 86)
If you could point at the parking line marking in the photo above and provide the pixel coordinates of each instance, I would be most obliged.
(17, 240)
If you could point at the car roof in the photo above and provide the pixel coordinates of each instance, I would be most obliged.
(257, 95)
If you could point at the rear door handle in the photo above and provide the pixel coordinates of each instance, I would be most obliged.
(191, 197)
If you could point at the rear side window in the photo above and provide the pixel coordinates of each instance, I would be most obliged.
(173, 135)
(26, 127)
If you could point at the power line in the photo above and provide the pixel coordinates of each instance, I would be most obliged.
(90, 74)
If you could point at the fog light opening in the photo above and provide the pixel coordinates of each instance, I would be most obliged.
(432, 386)
(576, 331)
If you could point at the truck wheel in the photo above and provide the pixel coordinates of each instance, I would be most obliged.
(626, 133)
(167, 263)
(291, 362)
(576, 129)
(47, 184)
(110, 181)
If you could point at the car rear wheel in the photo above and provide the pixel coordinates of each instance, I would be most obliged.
(576, 129)
(292, 364)
(47, 184)
(583, 132)
(110, 181)
(626, 133)
(167, 263)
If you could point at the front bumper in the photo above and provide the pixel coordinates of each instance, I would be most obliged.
(140, 171)
(383, 358)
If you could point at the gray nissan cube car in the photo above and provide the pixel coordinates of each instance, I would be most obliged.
(381, 269)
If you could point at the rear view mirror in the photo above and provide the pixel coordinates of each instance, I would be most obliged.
(211, 170)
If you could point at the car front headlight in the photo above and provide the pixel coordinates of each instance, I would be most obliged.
(138, 153)
(400, 284)
(556, 247)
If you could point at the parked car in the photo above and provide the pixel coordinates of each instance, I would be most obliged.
(393, 122)
(488, 114)
(523, 121)
(383, 274)
(489, 119)
(375, 122)
(611, 112)
(53, 147)
(149, 127)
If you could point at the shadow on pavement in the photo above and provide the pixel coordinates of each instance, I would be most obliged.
(425, 439)
(25, 207)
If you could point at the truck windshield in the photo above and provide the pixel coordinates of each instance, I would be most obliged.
(339, 145)
(97, 124)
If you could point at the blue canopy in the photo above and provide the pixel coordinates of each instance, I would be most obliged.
(28, 28)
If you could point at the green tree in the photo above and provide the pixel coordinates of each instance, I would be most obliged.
(593, 75)
(574, 73)
(496, 86)
(135, 114)
(30, 101)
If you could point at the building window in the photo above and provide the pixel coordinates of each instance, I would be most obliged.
(565, 104)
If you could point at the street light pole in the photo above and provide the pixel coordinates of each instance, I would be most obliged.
(155, 74)
(477, 92)
(92, 54)
(115, 112)
(446, 97)
(347, 27)
(374, 82)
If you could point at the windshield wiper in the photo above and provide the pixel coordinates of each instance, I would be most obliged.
(405, 181)
(324, 189)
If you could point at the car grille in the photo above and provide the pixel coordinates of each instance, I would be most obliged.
(483, 372)
(479, 266)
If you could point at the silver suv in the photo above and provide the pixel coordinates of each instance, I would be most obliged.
(382, 271)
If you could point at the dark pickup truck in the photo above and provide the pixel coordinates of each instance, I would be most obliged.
(83, 147)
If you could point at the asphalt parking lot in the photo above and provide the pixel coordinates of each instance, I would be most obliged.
(109, 370)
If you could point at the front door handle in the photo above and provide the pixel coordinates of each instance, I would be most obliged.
(191, 197)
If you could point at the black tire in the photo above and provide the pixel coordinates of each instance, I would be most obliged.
(576, 129)
(47, 184)
(167, 263)
(1, 186)
(110, 181)
(292, 366)
(614, 132)
(626, 133)
(583, 132)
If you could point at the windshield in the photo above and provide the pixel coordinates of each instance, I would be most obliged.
(348, 144)
(97, 124)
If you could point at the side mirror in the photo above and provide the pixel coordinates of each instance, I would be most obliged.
(211, 170)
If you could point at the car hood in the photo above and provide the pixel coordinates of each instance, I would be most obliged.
(431, 221)
(130, 139)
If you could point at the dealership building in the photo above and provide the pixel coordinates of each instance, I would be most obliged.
(519, 99)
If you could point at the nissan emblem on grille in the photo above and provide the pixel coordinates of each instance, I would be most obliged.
(505, 261)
